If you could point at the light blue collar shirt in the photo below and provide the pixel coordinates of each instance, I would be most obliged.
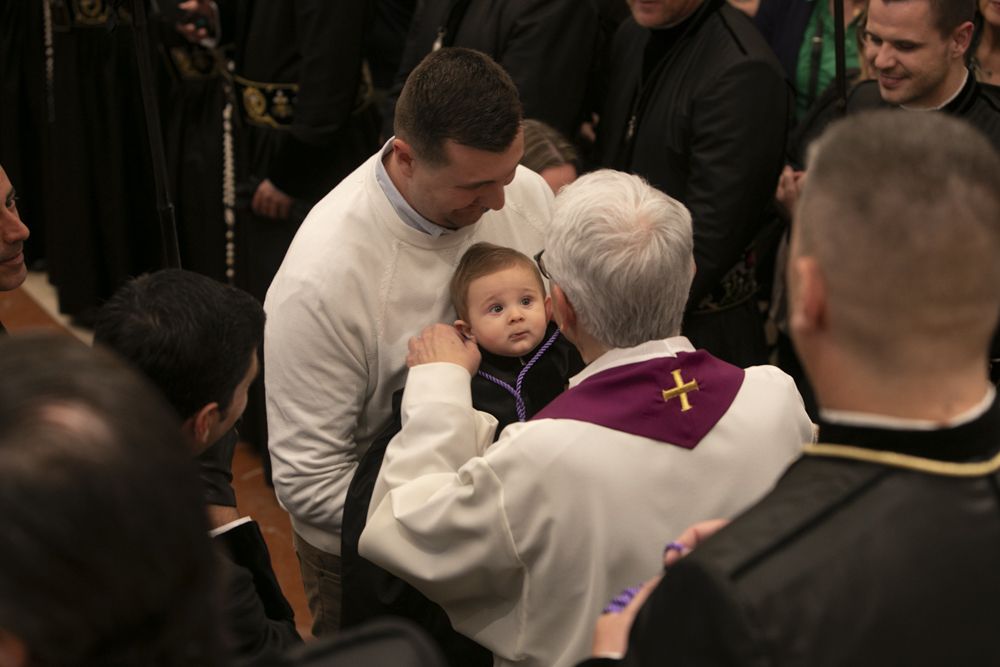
(406, 213)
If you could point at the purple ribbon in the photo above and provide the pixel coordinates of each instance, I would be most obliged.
(515, 391)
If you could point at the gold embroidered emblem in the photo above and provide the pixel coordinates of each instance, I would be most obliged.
(255, 104)
(681, 390)
(183, 61)
(91, 12)
(280, 106)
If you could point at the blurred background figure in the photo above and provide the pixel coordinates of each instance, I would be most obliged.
(986, 43)
(104, 555)
(547, 47)
(304, 119)
(549, 154)
(13, 234)
(24, 112)
(801, 32)
(748, 7)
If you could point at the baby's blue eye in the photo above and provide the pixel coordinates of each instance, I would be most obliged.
(526, 301)
(496, 308)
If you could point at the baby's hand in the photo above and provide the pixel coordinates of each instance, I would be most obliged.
(439, 342)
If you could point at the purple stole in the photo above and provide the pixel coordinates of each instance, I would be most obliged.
(676, 400)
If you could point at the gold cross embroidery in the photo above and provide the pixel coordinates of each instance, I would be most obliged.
(681, 390)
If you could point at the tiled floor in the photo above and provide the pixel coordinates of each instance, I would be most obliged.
(32, 307)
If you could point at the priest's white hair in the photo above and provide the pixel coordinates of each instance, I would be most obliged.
(622, 252)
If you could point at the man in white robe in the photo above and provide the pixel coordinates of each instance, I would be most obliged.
(524, 541)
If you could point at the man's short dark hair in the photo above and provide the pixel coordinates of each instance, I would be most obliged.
(906, 226)
(104, 553)
(461, 95)
(191, 335)
(948, 14)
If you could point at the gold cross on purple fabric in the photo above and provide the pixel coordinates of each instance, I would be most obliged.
(680, 390)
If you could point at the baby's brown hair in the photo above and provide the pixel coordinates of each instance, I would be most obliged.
(483, 259)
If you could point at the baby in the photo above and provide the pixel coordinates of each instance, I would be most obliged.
(500, 300)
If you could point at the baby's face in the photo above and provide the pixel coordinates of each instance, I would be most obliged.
(508, 311)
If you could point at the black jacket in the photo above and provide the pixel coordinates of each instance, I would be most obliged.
(709, 130)
(546, 46)
(978, 103)
(846, 562)
(259, 621)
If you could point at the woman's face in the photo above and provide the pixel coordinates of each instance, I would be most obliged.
(991, 11)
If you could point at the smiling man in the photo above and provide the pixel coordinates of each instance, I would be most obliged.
(916, 50)
(13, 234)
(368, 268)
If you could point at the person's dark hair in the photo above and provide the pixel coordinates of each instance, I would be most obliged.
(461, 95)
(546, 147)
(483, 259)
(948, 14)
(104, 554)
(191, 335)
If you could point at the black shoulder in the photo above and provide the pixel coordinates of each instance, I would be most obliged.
(809, 492)
(990, 95)
(746, 36)
(864, 97)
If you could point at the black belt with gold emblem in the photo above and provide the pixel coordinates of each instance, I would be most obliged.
(69, 14)
(273, 104)
(193, 61)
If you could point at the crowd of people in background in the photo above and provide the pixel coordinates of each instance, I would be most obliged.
(507, 295)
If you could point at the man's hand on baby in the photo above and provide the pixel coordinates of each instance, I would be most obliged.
(440, 342)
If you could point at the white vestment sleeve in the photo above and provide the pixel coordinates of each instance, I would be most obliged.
(437, 517)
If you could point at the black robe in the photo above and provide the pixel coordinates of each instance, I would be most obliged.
(24, 114)
(259, 621)
(547, 47)
(846, 562)
(192, 99)
(104, 226)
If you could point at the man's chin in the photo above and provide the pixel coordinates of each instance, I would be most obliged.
(11, 277)
(465, 217)
(893, 91)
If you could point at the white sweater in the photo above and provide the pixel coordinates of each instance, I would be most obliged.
(355, 284)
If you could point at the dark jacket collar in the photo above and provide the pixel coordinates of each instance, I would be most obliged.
(965, 99)
(974, 441)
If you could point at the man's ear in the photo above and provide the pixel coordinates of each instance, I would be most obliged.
(203, 424)
(403, 154)
(548, 308)
(961, 39)
(562, 310)
(463, 328)
(807, 301)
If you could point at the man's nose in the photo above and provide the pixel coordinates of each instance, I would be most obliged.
(884, 57)
(492, 196)
(12, 230)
